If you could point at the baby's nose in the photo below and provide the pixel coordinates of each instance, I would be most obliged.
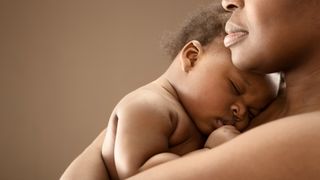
(239, 112)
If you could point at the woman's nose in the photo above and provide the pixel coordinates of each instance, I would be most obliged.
(232, 5)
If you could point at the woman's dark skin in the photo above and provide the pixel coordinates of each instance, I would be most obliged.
(266, 38)
(283, 142)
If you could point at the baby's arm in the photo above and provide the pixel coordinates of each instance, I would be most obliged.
(217, 137)
(158, 159)
(221, 135)
(89, 164)
(142, 132)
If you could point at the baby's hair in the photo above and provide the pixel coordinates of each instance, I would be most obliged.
(203, 25)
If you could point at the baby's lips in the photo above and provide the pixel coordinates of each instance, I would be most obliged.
(229, 122)
(223, 122)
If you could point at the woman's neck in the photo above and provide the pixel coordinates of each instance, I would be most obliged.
(303, 96)
(302, 92)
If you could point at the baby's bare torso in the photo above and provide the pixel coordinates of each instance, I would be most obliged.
(184, 136)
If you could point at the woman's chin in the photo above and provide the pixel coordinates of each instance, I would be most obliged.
(241, 63)
(253, 64)
(245, 64)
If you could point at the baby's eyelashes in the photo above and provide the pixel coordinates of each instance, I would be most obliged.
(235, 88)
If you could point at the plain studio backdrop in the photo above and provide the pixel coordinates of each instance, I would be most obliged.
(64, 64)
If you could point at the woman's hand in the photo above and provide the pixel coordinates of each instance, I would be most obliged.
(221, 135)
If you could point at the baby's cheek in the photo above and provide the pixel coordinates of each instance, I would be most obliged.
(242, 125)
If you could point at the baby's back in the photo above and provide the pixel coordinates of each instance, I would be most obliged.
(147, 121)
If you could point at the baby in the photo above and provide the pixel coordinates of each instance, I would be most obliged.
(191, 106)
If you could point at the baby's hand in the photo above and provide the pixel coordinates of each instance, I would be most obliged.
(221, 135)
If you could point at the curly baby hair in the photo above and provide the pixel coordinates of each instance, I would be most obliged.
(203, 25)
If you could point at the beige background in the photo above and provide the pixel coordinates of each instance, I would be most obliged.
(64, 64)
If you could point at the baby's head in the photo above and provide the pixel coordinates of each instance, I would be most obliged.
(211, 89)
(215, 93)
(203, 25)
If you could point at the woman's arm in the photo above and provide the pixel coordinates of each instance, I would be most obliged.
(89, 164)
(158, 159)
(284, 149)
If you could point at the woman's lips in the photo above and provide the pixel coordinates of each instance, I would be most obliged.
(236, 33)
(234, 38)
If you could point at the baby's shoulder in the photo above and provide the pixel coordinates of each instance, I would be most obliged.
(145, 98)
(145, 102)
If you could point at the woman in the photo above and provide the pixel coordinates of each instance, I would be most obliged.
(281, 35)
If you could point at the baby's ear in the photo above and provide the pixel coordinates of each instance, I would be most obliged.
(190, 53)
